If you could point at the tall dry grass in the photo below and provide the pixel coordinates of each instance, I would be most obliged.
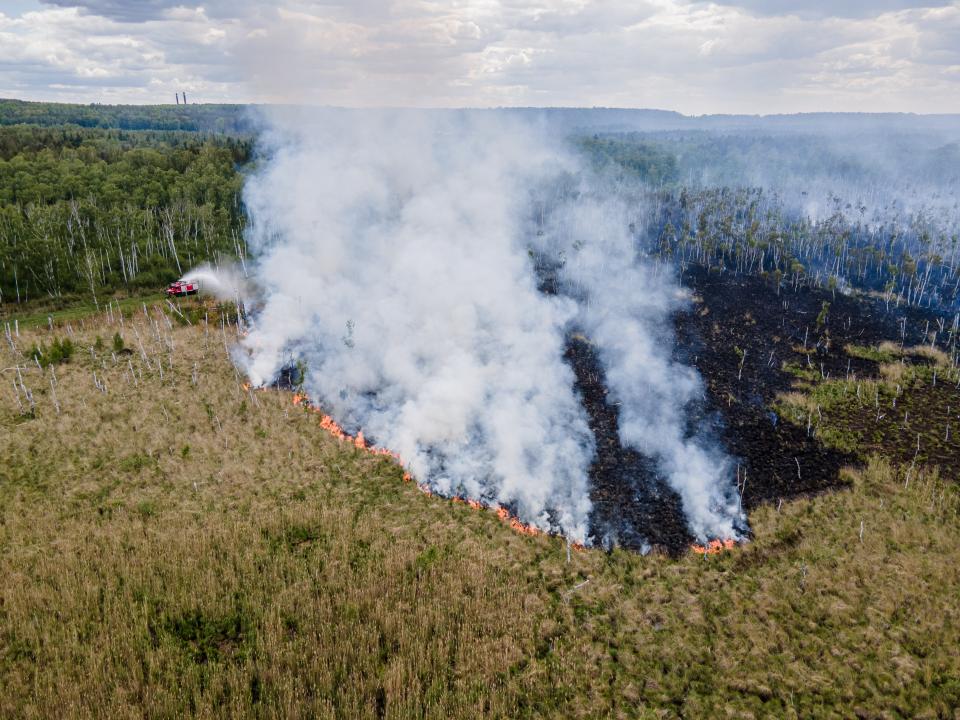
(174, 548)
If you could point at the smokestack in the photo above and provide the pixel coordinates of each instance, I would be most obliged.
(177, 96)
(184, 97)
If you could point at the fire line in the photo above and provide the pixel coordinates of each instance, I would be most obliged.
(713, 547)
(359, 442)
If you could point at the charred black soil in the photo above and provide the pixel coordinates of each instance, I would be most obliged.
(919, 426)
(632, 505)
(748, 340)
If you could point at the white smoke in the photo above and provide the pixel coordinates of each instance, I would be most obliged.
(393, 267)
(393, 251)
(224, 282)
(626, 304)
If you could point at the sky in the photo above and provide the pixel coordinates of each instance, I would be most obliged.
(736, 56)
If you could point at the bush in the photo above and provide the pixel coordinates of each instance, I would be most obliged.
(60, 351)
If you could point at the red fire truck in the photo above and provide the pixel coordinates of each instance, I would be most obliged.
(183, 287)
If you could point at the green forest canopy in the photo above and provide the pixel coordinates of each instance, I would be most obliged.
(228, 119)
(86, 210)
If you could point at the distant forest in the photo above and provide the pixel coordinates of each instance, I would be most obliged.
(97, 200)
(224, 119)
(89, 207)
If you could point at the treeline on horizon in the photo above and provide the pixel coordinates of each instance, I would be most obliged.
(100, 199)
(209, 118)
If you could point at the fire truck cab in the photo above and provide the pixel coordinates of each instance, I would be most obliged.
(183, 287)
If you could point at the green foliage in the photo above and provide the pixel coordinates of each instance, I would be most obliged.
(301, 376)
(146, 509)
(96, 211)
(870, 353)
(117, 342)
(802, 372)
(208, 118)
(211, 637)
(136, 462)
(143, 169)
(823, 315)
(626, 155)
(59, 351)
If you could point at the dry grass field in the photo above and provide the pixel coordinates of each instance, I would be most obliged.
(173, 545)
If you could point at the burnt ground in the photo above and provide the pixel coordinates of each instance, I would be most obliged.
(737, 321)
(921, 425)
(289, 378)
(745, 314)
(632, 506)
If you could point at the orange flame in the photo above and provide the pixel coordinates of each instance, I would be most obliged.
(330, 425)
(515, 523)
(524, 529)
(714, 547)
(360, 442)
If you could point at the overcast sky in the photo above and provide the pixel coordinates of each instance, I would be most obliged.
(755, 56)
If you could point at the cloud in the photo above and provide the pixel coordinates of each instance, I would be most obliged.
(696, 57)
(826, 9)
(119, 10)
(140, 11)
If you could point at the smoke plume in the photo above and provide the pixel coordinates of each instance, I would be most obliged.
(395, 256)
(625, 306)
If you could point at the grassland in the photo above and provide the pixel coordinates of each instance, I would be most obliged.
(172, 544)
(74, 309)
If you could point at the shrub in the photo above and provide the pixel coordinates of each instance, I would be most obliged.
(60, 351)
(212, 637)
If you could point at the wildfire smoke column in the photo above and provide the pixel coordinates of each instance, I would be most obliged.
(625, 305)
(393, 264)
(396, 258)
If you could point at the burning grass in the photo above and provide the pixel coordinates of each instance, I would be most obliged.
(359, 442)
(173, 544)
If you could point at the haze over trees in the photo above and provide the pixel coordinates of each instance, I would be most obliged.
(98, 199)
